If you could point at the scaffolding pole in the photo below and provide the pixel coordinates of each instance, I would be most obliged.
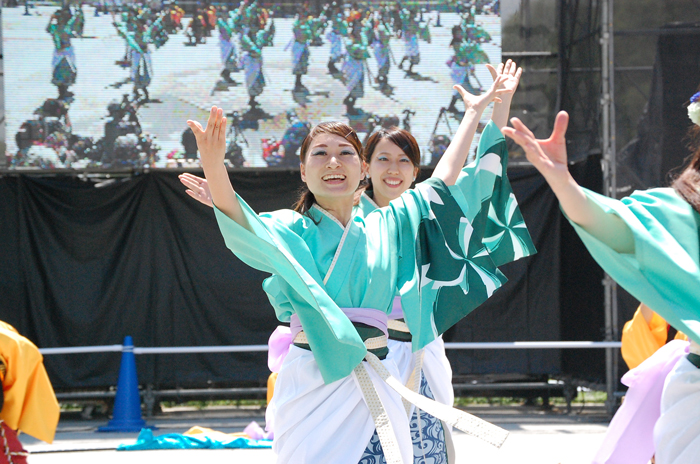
(610, 188)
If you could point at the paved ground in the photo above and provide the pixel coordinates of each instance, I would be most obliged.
(537, 437)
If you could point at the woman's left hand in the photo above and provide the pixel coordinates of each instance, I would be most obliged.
(512, 73)
(479, 103)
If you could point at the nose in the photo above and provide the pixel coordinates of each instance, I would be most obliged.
(393, 167)
(333, 161)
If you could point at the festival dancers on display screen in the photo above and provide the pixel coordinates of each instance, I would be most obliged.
(410, 30)
(317, 398)
(354, 66)
(65, 25)
(140, 31)
(648, 242)
(300, 50)
(229, 27)
(467, 38)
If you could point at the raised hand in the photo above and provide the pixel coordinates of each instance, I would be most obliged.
(211, 141)
(197, 188)
(480, 102)
(512, 73)
(548, 155)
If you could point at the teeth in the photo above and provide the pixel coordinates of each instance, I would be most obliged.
(393, 182)
(333, 176)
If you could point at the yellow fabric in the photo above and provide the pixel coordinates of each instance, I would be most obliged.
(271, 381)
(30, 403)
(641, 339)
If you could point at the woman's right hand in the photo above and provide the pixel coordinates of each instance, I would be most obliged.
(211, 141)
(197, 188)
(549, 155)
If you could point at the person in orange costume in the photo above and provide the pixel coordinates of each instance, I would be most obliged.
(28, 401)
(645, 333)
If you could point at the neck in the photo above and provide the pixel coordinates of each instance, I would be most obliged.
(380, 199)
(340, 208)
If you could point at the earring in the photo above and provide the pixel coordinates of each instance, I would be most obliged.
(414, 179)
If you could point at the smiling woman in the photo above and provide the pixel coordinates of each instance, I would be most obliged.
(338, 398)
(331, 168)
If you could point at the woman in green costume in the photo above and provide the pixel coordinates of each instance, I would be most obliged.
(648, 242)
(333, 268)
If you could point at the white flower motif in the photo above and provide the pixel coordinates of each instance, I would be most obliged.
(694, 112)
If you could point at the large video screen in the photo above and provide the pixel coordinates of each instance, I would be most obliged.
(110, 84)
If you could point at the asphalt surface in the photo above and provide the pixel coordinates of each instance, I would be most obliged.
(536, 437)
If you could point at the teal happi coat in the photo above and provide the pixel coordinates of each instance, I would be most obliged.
(663, 271)
(439, 245)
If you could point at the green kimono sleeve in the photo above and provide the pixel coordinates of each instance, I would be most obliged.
(336, 345)
(663, 272)
(506, 237)
(444, 269)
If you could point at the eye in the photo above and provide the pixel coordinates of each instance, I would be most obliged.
(319, 152)
(405, 160)
(347, 152)
(382, 158)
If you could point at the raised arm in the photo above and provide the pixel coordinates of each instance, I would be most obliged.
(452, 162)
(501, 110)
(211, 143)
(549, 157)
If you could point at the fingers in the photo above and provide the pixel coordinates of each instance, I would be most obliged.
(561, 123)
(500, 68)
(196, 128)
(519, 126)
(461, 90)
(518, 73)
(192, 186)
(222, 128)
(191, 177)
(212, 118)
(493, 71)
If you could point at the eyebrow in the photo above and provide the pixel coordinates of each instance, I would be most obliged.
(388, 153)
(326, 146)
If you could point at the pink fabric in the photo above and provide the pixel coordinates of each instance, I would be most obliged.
(278, 346)
(396, 309)
(254, 431)
(630, 435)
(282, 338)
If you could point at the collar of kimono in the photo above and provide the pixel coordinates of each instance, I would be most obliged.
(330, 216)
(367, 197)
(368, 316)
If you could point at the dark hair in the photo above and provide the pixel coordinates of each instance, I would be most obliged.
(306, 198)
(687, 184)
(399, 137)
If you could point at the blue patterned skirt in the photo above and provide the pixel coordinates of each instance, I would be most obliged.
(427, 435)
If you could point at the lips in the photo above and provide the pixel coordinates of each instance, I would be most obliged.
(333, 178)
(393, 182)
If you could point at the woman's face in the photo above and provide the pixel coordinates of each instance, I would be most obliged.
(391, 171)
(332, 167)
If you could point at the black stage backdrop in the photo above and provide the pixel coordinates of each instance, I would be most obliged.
(81, 265)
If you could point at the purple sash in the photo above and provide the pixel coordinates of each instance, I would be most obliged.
(630, 435)
(282, 338)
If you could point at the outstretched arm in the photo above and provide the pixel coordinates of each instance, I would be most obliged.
(211, 143)
(549, 157)
(452, 162)
(501, 110)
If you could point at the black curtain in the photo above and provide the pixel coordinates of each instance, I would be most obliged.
(81, 265)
